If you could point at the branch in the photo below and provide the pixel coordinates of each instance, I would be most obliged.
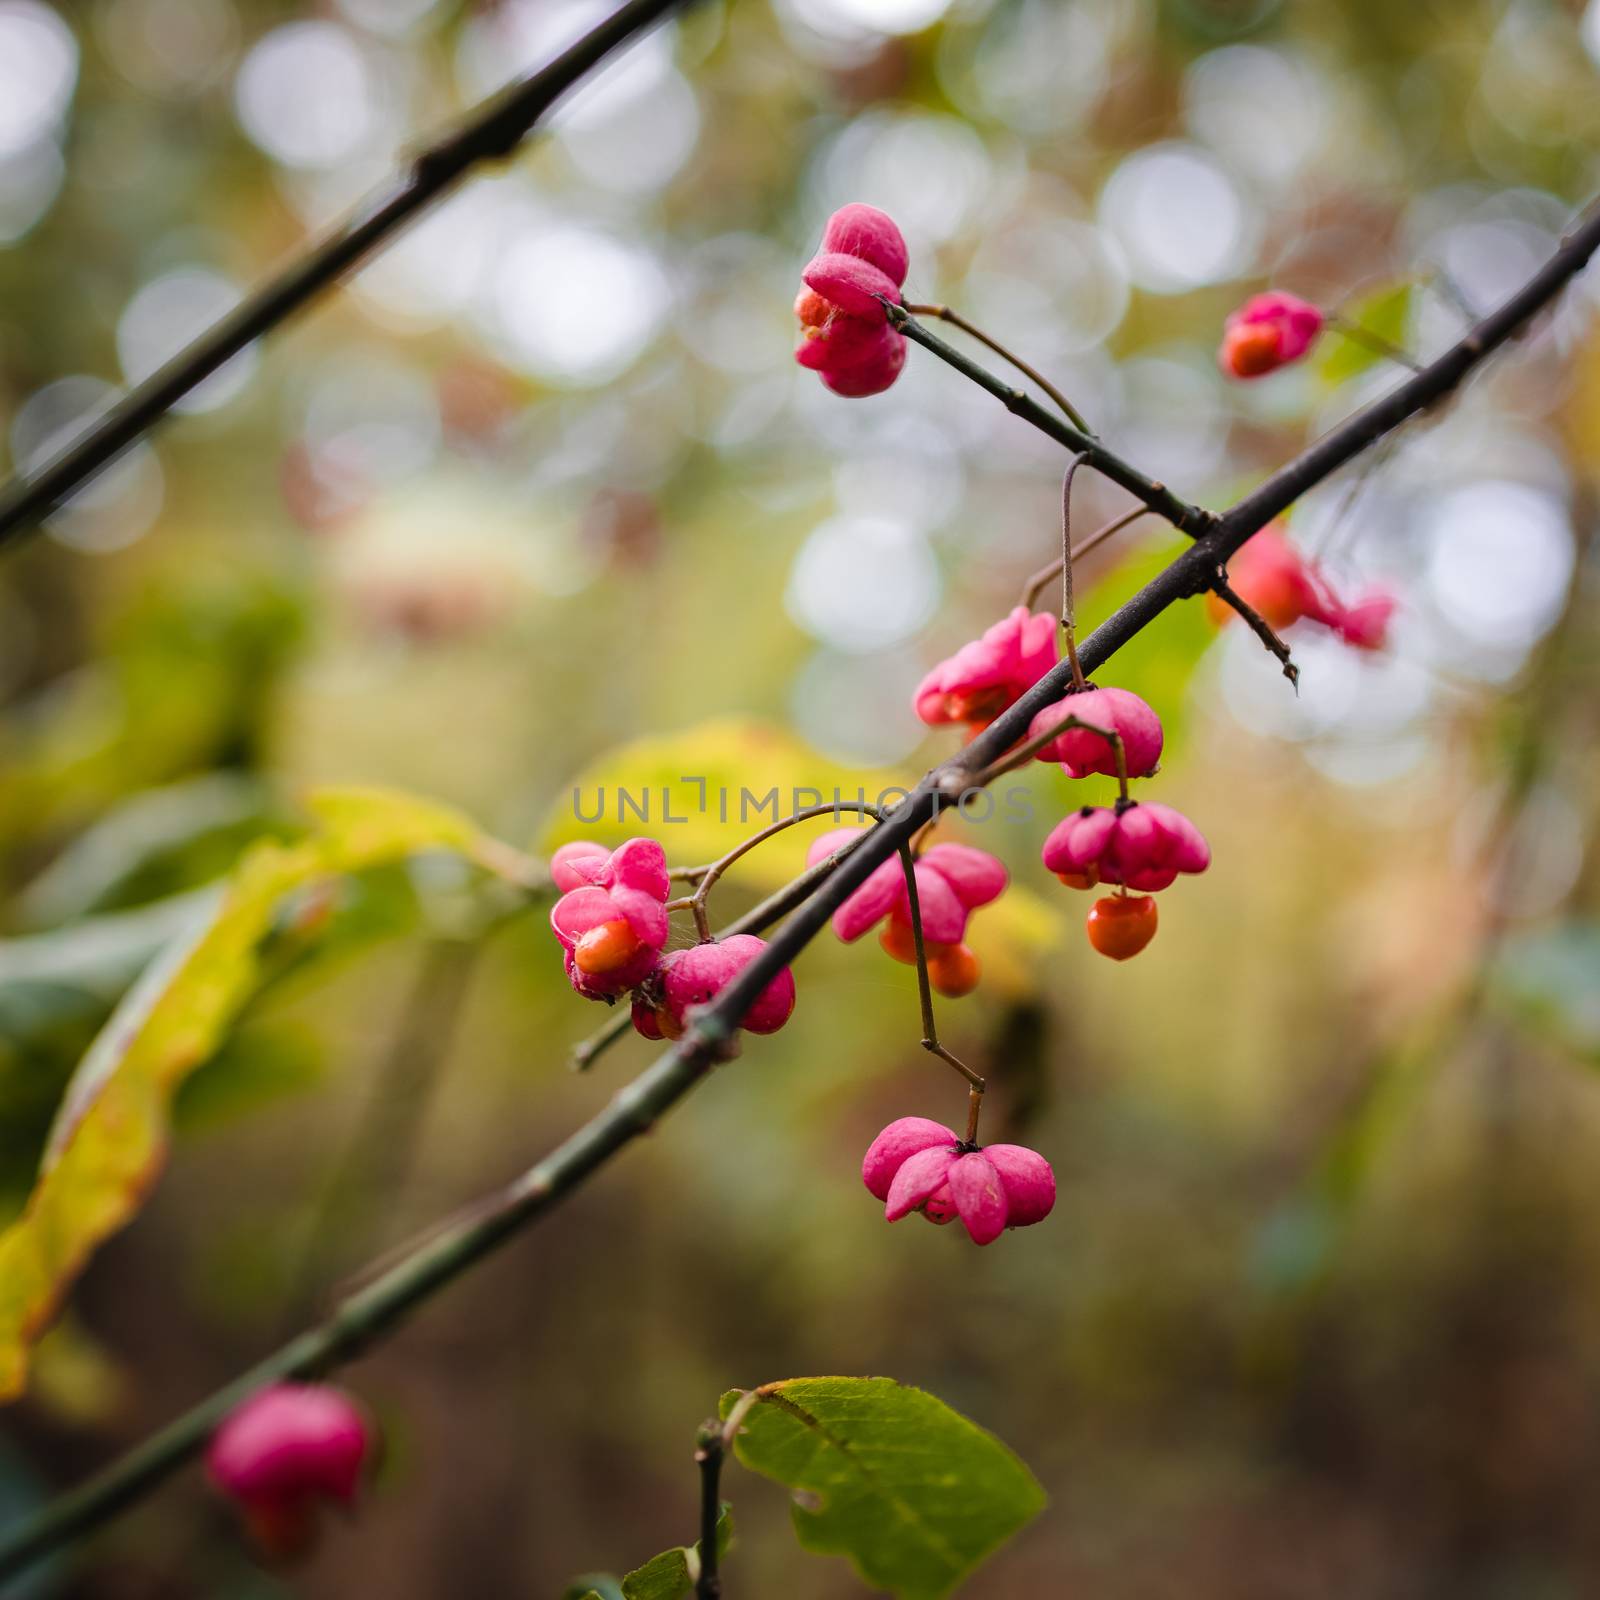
(1258, 624)
(490, 133)
(811, 901)
(708, 1453)
(1156, 496)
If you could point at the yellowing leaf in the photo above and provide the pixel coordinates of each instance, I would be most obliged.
(704, 790)
(109, 1139)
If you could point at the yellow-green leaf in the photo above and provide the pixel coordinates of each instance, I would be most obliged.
(110, 1134)
(1385, 313)
(705, 789)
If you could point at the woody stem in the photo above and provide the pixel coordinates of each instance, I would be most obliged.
(956, 320)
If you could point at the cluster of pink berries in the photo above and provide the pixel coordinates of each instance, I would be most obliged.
(284, 1453)
(1130, 845)
(612, 924)
(952, 880)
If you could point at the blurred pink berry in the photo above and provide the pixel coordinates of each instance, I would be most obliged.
(286, 1449)
(844, 331)
(696, 976)
(1143, 845)
(1365, 624)
(988, 674)
(953, 880)
(1081, 752)
(1285, 587)
(1268, 331)
(918, 1165)
(612, 923)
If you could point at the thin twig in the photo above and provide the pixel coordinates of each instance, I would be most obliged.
(930, 1029)
(956, 320)
(709, 875)
(1030, 747)
(1035, 585)
(1069, 615)
(1193, 520)
(490, 133)
(1375, 342)
(1259, 626)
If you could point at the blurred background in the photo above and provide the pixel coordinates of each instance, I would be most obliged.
(1318, 1312)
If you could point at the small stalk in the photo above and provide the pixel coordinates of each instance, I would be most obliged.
(930, 1029)
(945, 314)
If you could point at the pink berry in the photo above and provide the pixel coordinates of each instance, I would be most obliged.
(1272, 577)
(695, 977)
(612, 924)
(1267, 332)
(988, 674)
(903, 1138)
(953, 880)
(918, 1165)
(1143, 846)
(286, 1449)
(845, 334)
(864, 231)
(578, 863)
(1081, 752)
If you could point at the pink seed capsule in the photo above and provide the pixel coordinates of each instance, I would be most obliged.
(286, 1450)
(918, 1165)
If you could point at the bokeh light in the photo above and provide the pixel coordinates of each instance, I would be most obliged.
(863, 583)
(1182, 220)
(306, 95)
(38, 69)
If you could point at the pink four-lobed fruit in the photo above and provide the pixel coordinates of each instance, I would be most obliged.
(1272, 577)
(285, 1451)
(695, 977)
(1267, 332)
(1143, 845)
(988, 674)
(916, 1164)
(953, 880)
(845, 334)
(1082, 752)
(612, 919)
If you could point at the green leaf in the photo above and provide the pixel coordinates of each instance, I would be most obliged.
(593, 1586)
(911, 1491)
(153, 845)
(1547, 978)
(110, 1133)
(674, 1573)
(1385, 312)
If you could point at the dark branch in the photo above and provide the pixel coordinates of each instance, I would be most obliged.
(1258, 624)
(490, 133)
